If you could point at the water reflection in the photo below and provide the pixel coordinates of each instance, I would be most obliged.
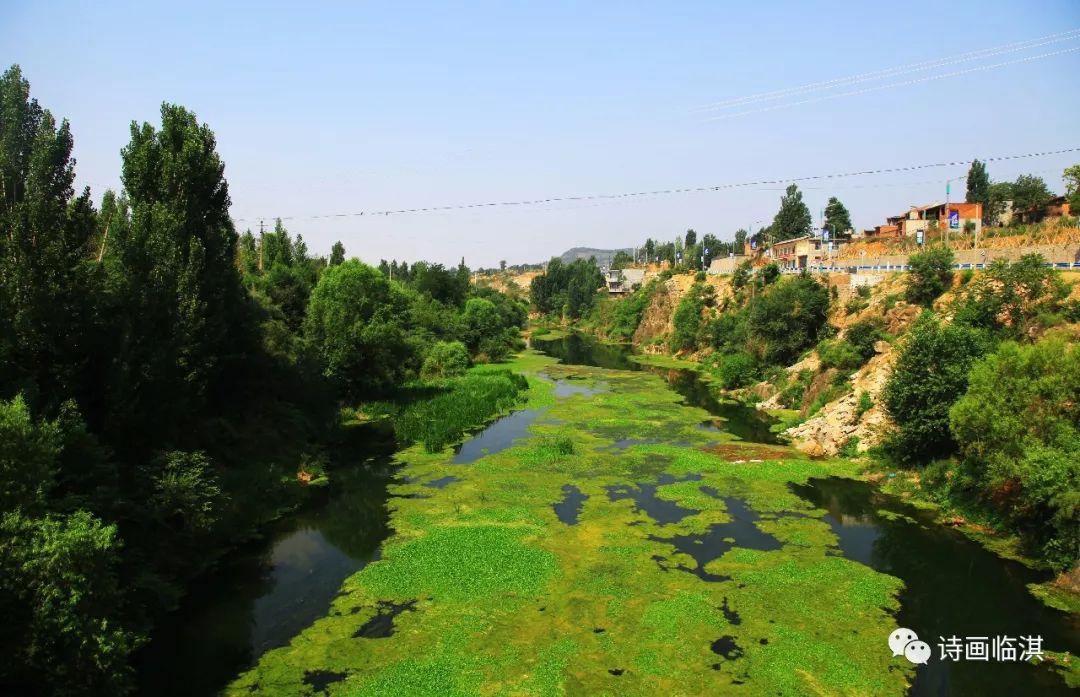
(269, 590)
(499, 436)
(747, 423)
(953, 587)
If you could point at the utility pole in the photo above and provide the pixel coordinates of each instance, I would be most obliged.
(948, 185)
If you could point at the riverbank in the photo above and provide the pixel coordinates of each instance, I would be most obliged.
(619, 540)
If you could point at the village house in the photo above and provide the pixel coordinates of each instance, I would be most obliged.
(797, 253)
(1057, 207)
(918, 219)
(623, 280)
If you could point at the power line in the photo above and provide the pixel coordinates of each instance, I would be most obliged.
(905, 83)
(893, 72)
(657, 192)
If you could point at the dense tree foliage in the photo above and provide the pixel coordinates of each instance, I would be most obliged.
(1071, 177)
(566, 289)
(337, 254)
(929, 275)
(978, 184)
(837, 218)
(793, 219)
(1018, 427)
(446, 359)
(687, 319)
(621, 260)
(1030, 192)
(788, 318)
(1011, 299)
(162, 379)
(931, 372)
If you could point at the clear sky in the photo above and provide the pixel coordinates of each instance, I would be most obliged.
(324, 108)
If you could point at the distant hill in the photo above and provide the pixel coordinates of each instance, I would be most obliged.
(603, 256)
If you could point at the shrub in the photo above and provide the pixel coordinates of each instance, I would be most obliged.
(699, 277)
(736, 370)
(835, 390)
(855, 305)
(965, 276)
(627, 313)
(864, 334)
(1007, 298)
(839, 354)
(850, 448)
(931, 373)
(865, 404)
(687, 320)
(1019, 426)
(727, 332)
(446, 359)
(742, 275)
(788, 318)
(793, 394)
(863, 291)
(930, 275)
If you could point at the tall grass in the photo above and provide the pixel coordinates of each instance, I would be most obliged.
(466, 402)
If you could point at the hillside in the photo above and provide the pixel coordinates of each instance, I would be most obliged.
(603, 256)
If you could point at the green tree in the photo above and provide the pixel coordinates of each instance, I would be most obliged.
(569, 288)
(1071, 177)
(28, 452)
(1030, 193)
(173, 271)
(711, 247)
(650, 250)
(621, 260)
(740, 240)
(337, 254)
(446, 359)
(929, 275)
(793, 219)
(687, 319)
(864, 334)
(47, 286)
(354, 322)
(978, 184)
(930, 374)
(59, 593)
(837, 218)
(1018, 424)
(1009, 298)
(999, 195)
(788, 318)
(690, 239)
(187, 498)
(482, 322)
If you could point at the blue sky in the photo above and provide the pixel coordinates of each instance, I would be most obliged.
(324, 108)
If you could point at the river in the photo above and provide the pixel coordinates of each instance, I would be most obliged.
(267, 591)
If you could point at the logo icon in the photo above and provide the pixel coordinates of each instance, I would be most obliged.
(905, 642)
(917, 652)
